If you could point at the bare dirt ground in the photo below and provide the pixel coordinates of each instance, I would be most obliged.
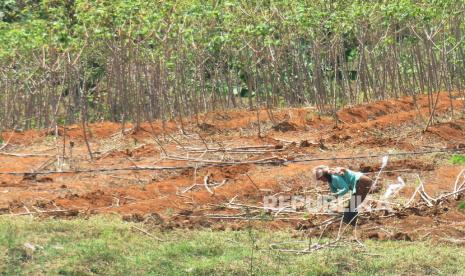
(220, 153)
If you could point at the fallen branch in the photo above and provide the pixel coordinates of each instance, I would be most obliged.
(240, 218)
(238, 148)
(212, 163)
(456, 187)
(246, 149)
(423, 194)
(205, 183)
(451, 194)
(413, 196)
(147, 233)
(26, 154)
(213, 185)
(139, 168)
(311, 248)
(271, 160)
(249, 218)
(220, 184)
(189, 188)
(253, 183)
(38, 212)
(4, 145)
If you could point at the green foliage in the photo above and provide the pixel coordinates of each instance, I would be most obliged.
(462, 206)
(457, 159)
(9, 11)
(285, 52)
(214, 25)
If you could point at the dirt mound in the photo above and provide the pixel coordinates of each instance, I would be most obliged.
(229, 172)
(452, 132)
(284, 127)
(392, 113)
(97, 198)
(207, 127)
(180, 199)
(382, 236)
(380, 142)
(410, 164)
(372, 111)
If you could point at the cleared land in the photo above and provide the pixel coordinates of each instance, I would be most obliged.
(217, 172)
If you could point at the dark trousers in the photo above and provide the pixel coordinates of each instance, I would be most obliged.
(363, 188)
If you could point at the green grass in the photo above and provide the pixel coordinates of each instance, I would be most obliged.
(462, 206)
(108, 246)
(457, 159)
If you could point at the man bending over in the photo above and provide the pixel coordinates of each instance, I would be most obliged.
(341, 181)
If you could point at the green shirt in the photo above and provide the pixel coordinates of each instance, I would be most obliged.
(340, 185)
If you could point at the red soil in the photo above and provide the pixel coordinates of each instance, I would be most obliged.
(394, 125)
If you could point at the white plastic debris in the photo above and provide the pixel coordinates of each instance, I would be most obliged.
(394, 188)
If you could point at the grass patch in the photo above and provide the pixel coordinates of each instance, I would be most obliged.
(462, 206)
(457, 159)
(109, 246)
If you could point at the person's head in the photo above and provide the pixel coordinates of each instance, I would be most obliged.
(322, 173)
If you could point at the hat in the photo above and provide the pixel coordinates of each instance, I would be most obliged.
(320, 170)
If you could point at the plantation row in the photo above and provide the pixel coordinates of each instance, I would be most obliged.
(134, 60)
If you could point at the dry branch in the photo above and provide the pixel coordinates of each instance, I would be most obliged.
(309, 249)
(4, 145)
(209, 184)
(38, 212)
(147, 233)
(245, 149)
(26, 154)
(205, 183)
(271, 160)
(100, 170)
(456, 186)
(212, 163)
